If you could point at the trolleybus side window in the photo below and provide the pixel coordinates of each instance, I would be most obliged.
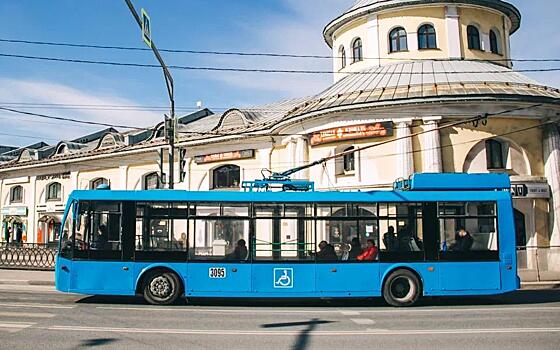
(347, 227)
(67, 234)
(401, 227)
(161, 227)
(283, 232)
(219, 232)
(468, 231)
(97, 231)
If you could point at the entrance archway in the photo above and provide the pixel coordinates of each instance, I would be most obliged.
(48, 229)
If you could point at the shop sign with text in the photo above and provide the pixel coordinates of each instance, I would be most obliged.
(225, 156)
(54, 176)
(354, 132)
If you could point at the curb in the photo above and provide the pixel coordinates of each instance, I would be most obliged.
(553, 285)
(26, 283)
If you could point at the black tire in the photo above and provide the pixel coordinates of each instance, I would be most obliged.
(161, 287)
(402, 288)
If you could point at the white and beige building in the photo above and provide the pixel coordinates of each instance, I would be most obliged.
(403, 67)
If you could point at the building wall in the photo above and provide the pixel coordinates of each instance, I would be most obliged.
(374, 31)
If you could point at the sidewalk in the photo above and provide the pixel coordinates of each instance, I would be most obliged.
(26, 277)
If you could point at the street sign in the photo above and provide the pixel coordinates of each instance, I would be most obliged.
(146, 29)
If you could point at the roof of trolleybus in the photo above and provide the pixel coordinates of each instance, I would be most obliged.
(423, 188)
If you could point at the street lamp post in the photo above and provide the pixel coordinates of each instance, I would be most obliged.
(169, 122)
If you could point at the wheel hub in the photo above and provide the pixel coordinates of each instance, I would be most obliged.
(160, 287)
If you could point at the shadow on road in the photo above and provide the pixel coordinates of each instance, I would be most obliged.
(522, 297)
(90, 343)
(303, 336)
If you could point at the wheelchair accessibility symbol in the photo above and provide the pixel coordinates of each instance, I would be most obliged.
(283, 278)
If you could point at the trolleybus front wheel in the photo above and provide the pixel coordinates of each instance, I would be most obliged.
(402, 288)
(161, 287)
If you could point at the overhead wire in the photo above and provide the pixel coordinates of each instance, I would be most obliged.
(261, 70)
(241, 53)
(73, 120)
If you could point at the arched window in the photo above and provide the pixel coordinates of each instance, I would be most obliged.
(397, 40)
(427, 37)
(98, 182)
(357, 50)
(16, 194)
(494, 43)
(342, 53)
(54, 191)
(227, 176)
(152, 182)
(473, 37)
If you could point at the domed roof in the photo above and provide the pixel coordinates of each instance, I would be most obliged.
(428, 81)
(365, 7)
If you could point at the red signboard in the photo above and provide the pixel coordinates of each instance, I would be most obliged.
(219, 157)
(353, 132)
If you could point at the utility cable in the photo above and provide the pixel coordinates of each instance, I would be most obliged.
(240, 53)
(257, 70)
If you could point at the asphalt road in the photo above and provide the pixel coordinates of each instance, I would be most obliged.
(36, 318)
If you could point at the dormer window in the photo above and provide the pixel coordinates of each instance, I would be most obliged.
(357, 50)
(398, 40)
(62, 149)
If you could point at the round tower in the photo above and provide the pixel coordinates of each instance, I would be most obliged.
(375, 33)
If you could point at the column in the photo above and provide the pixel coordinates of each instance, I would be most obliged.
(301, 157)
(32, 217)
(431, 154)
(453, 32)
(290, 160)
(123, 177)
(372, 50)
(405, 160)
(551, 149)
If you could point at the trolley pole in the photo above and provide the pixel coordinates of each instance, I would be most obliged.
(169, 121)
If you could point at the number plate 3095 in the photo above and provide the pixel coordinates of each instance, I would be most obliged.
(217, 272)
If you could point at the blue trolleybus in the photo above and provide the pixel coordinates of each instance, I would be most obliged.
(433, 235)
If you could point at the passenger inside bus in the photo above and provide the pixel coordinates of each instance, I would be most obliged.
(390, 240)
(356, 249)
(326, 252)
(463, 241)
(240, 251)
(102, 238)
(369, 253)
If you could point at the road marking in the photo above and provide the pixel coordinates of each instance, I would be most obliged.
(349, 312)
(13, 327)
(26, 314)
(368, 332)
(362, 321)
(29, 305)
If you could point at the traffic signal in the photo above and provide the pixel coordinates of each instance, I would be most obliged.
(182, 164)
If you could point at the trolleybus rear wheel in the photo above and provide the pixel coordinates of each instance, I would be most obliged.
(161, 287)
(402, 288)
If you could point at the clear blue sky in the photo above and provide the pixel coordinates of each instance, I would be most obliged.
(284, 26)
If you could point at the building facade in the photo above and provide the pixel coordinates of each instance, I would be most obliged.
(405, 71)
